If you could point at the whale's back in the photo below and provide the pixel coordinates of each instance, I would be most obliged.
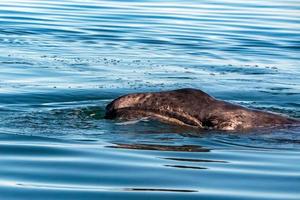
(190, 107)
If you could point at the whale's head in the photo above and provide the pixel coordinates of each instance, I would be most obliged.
(183, 106)
(127, 102)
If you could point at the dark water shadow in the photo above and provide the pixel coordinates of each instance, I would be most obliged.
(157, 190)
(185, 167)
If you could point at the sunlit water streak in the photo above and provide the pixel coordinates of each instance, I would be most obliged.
(61, 62)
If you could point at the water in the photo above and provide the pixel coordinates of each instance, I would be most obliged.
(62, 61)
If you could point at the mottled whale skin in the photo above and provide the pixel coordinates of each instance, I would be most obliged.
(192, 108)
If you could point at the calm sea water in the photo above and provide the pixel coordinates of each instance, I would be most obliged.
(62, 61)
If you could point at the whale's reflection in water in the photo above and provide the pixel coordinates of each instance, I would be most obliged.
(184, 148)
(177, 162)
(195, 160)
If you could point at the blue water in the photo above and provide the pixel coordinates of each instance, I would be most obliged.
(62, 61)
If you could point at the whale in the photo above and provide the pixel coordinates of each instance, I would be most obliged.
(192, 108)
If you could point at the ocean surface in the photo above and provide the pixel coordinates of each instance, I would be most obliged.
(62, 61)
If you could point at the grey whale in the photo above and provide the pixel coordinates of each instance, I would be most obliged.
(193, 108)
